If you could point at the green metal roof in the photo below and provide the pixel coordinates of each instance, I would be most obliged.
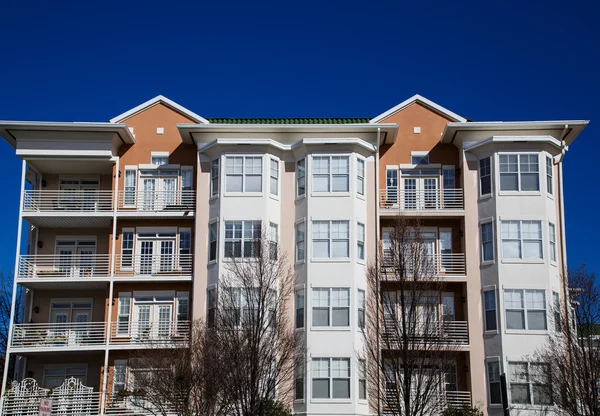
(345, 120)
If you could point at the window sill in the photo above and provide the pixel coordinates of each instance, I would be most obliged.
(211, 262)
(299, 262)
(359, 196)
(485, 197)
(331, 328)
(519, 193)
(330, 194)
(299, 329)
(243, 194)
(299, 197)
(488, 262)
(331, 401)
(331, 260)
(550, 196)
(495, 332)
(274, 197)
(363, 401)
(361, 262)
(523, 261)
(299, 401)
(212, 198)
(553, 263)
(495, 405)
(526, 332)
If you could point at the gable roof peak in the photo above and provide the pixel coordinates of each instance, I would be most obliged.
(424, 101)
(159, 99)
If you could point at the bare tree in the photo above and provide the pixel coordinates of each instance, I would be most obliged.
(6, 293)
(408, 342)
(570, 374)
(182, 381)
(253, 327)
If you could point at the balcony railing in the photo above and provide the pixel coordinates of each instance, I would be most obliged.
(166, 333)
(67, 201)
(54, 335)
(153, 201)
(421, 199)
(447, 264)
(432, 332)
(445, 400)
(64, 266)
(153, 265)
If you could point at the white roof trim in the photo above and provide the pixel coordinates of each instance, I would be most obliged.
(202, 147)
(156, 100)
(428, 103)
(512, 139)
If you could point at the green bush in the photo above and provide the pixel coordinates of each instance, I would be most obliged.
(462, 411)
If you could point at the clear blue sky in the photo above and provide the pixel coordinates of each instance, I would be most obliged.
(521, 60)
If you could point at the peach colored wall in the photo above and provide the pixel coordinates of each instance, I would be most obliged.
(94, 360)
(48, 237)
(53, 180)
(42, 300)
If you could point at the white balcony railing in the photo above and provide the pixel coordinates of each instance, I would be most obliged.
(67, 200)
(153, 265)
(432, 332)
(445, 400)
(457, 399)
(167, 333)
(421, 199)
(447, 264)
(54, 335)
(152, 201)
(64, 266)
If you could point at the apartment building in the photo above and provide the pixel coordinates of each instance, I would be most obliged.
(127, 224)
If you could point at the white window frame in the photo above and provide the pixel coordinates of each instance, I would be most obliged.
(119, 363)
(361, 308)
(215, 177)
(549, 176)
(331, 307)
(530, 383)
(180, 248)
(331, 378)
(123, 231)
(300, 230)
(360, 176)
(160, 155)
(488, 175)
(552, 242)
(488, 361)
(331, 240)
(330, 174)
(518, 172)
(486, 308)
(360, 243)
(213, 231)
(273, 239)
(521, 240)
(490, 241)
(274, 176)
(525, 310)
(300, 305)
(129, 190)
(361, 375)
(300, 168)
(244, 175)
(242, 239)
(127, 314)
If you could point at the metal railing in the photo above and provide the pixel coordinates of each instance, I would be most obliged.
(445, 400)
(421, 199)
(53, 335)
(67, 200)
(148, 200)
(167, 333)
(446, 264)
(457, 399)
(429, 332)
(153, 265)
(64, 266)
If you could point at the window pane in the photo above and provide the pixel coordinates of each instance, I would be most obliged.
(519, 394)
(254, 183)
(340, 183)
(495, 393)
(340, 316)
(515, 320)
(511, 249)
(530, 182)
(321, 183)
(341, 389)
(532, 249)
(513, 299)
(321, 165)
(321, 249)
(320, 317)
(320, 389)
(536, 320)
(233, 183)
(340, 164)
(509, 182)
(535, 299)
(490, 320)
(340, 248)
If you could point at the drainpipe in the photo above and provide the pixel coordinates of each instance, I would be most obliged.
(377, 265)
(110, 288)
(14, 293)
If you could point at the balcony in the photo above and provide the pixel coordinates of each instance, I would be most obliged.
(69, 335)
(166, 334)
(447, 265)
(155, 203)
(439, 202)
(157, 267)
(447, 400)
(453, 333)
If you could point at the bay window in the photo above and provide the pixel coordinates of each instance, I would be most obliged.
(519, 172)
(487, 241)
(360, 241)
(362, 379)
(242, 239)
(529, 383)
(522, 239)
(274, 177)
(331, 378)
(214, 178)
(489, 301)
(360, 176)
(331, 173)
(243, 174)
(361, 302)
(549, 176)
(300, 229)
(485, 176)
(552, 241)
(331, 239)
(525, 309)
(300, 177)
(331, 306)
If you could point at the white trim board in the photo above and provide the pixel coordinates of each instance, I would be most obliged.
(158, 100)
(424, 101)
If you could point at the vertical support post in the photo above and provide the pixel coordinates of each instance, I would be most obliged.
(14, 292)
(110, 287)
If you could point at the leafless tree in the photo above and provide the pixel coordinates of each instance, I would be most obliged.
(570, 374)
(6, 293)
(182, 381)
(253, 325)
(408, 342)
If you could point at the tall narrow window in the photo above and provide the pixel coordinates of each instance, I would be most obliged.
(361, 302)
(485, 176)
(300, 241)
(212, 249)
(185, 249)
(299, 380)
(214, 177)
(273, 240)
(123, 313)
(187, 180)
(360, 241)
(549, 174)
(127, 249)
(183, 312)
(556, 312)
(300, 177)
(449, 178)
(274, 175)
(300, 308)
(489, 300)
(487, 241)
(360, 176)
(211, 304)
(119, 376)
(552, 240)
(493, 371)
(130, 183)
(362, 379)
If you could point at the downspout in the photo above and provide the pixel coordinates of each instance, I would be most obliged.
(14, 293)
(378, 225)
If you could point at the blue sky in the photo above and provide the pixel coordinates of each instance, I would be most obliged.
(525, 60)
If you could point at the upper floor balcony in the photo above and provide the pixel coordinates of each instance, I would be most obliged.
(435, 332)
(439, 265)
(445, 399)
(434, 201)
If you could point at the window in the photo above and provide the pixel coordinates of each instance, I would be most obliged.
(300, 177)
(489, 300)
(183, 311)
(522, 239)
(362, 380)
(123, 313)
(212, 241)
(211, 304)
(529, 383)
(525, 309)
(299, 380)
(552, 239)
(493, 372)
(119, 375)
(360, 241)
(487, 241)
(187, 180)
(448, 175)
(419, 158)
(300, 308)
(331, 239)
(274, 177)
(331, 378)
(331, 173)
(549, 173)
(300, 241)
(519, 172)
(273, 239)
(130, 181)
(243, 174)
(331, 307)
(159, 158)
(556, 312)
(242, 239)
(485, 176)
(127, 249)
(185, 249)
(214, 178)
(56, 374)
(361, 308)
(360, 176)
